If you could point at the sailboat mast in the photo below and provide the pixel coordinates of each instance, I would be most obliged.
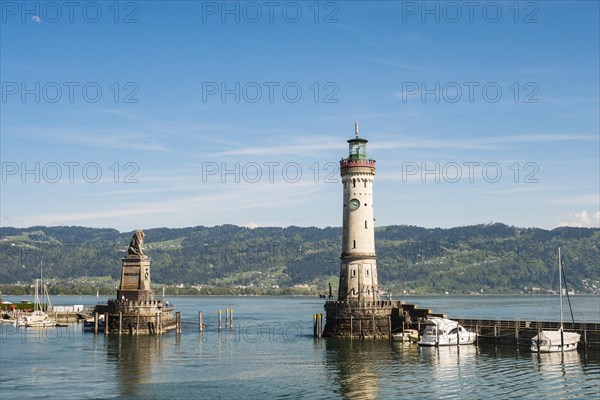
(560, 288)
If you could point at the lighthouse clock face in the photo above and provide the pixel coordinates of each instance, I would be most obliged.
(354, 204)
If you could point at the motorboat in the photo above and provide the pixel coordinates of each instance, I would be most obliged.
(445, 332)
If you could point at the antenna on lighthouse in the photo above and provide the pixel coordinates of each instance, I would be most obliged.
(356, 129)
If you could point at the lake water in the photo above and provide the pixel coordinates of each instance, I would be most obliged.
(270, 353)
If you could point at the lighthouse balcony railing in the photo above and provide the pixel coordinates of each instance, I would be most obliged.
(354, 162)
(361, 304)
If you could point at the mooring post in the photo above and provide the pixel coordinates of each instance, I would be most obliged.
(314, 325)
(374, 334)
(320, 325)
(457, 337)
(219, 314)
(517, 334)
(351, 321)
(390, 328)
(227, 317)
(584, 340)
(231, 318)
(562, 340)
(120, 321)
(178, 322)
(106, 323)
(495, 335)
(538, 338)
(477, 334)
(137, 323)
(96, 322)
(200, 321)
(360, 332)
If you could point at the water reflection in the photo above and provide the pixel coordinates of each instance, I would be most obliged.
(136, 358)
(354, 366)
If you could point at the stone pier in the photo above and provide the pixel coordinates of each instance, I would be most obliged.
(135, 311)
(371, 319)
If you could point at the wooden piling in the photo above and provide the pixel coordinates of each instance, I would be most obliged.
(320, 325)
(231, 318)
(96, 322)
(120, 321)
(351, 325)
(360, 332)
(314, 325)
(374, 331)
(137, 324)
(227, 318)
(106, 323)
(495, 335)
(390, 328)
(178, 321)
(220, 326)
(200, 321)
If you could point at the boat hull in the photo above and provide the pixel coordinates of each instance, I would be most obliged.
(555, 342)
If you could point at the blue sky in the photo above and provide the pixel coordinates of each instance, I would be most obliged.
(148, 114)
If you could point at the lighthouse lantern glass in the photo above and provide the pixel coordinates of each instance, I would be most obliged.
(358, 150)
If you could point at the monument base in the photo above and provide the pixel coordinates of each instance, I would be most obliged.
(371, 319)
(145, 317)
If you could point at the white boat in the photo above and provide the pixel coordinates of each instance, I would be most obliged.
(38, 318)
(445, 332)
(556, 341)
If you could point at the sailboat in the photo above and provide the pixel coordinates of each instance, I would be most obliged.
(39, 318)
(556, 341)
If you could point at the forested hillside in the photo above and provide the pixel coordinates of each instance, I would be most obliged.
(483, 258)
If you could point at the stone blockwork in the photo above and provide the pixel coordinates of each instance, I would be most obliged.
(375, 319)
(139, 317)
(353, 319)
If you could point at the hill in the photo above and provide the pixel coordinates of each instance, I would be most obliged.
(493, 258)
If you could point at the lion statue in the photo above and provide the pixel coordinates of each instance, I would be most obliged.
(135, 247)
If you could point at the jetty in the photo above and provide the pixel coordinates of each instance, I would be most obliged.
(382, 319)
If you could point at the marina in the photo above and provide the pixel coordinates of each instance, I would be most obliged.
(256, 354)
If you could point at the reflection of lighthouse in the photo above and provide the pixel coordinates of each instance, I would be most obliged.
(358, 268)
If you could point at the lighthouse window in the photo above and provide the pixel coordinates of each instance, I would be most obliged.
(367, 271)
(365, 182)
(353, 182)
(354, 244)
(365, 224)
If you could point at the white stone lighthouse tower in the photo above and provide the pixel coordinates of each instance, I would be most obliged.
(358, 268)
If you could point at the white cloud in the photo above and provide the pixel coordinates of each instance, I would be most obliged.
(582, 220)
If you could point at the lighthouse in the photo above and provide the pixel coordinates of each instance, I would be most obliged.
(358, 310)
(358, 264)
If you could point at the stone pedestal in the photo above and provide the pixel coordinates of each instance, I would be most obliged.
(135, 279)
(135, 311)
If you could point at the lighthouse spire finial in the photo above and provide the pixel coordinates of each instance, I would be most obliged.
(356, 129)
